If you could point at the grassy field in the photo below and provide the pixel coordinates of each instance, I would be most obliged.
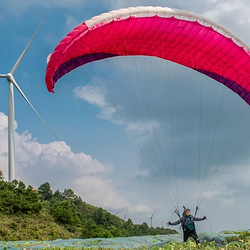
(173, 246)
(240, 240)
(29, 227)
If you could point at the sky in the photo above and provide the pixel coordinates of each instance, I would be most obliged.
(138, 134)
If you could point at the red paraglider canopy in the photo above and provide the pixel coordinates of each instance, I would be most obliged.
(179, 36)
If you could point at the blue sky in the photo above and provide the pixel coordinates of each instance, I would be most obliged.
(98, 157)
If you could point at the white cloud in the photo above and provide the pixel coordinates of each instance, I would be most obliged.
(22, 6)
(134, 3)
(55, 162)
(211, 194)
(102, 192)
(142, 127)
(4, 123)
(224, 8)
(96, 96)
(91, 94)
(141, 209)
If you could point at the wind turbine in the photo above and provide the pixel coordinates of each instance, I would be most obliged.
(11, 113)
(151, 218)
(125, 215)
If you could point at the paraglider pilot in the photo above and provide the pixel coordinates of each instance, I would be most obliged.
(187, 222)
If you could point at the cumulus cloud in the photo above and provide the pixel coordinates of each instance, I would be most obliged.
(25, 5)
(181, 4)
(224, 8)
(142, 127)
(55, 162)
(211, 194)
(96, 96)
(102, 192)
(141, 208)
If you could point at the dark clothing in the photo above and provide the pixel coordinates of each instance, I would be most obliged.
(187, 222)
(188, 227)
(193, 234)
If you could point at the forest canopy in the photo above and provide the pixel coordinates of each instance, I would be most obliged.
(41, 214)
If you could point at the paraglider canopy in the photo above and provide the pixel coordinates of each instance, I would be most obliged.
(176, 35)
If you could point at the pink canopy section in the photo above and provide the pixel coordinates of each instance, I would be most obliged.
(178, 36)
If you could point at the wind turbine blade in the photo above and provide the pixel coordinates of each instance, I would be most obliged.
(119, 211)
(13, 70)
(153, 214)
(3, 76)
(126, 215)
(12, 79)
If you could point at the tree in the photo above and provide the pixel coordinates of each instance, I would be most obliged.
(68, 210)
(144, 228)
(129, 226)
(1, 175)
(45, 191)
(65, 212)
(14, 183)
(58, 195)
(21, 185)
(99, 217)
(87, 229)
(68, 194)
(16, 199)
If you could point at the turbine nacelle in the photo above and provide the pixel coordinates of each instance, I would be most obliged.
(9, 77)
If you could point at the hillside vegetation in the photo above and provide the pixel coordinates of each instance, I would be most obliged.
(29, 214)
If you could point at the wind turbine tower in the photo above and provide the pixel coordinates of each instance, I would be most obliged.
(151, 219)
(11, 113)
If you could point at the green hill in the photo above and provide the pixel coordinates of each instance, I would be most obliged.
(29, 214)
